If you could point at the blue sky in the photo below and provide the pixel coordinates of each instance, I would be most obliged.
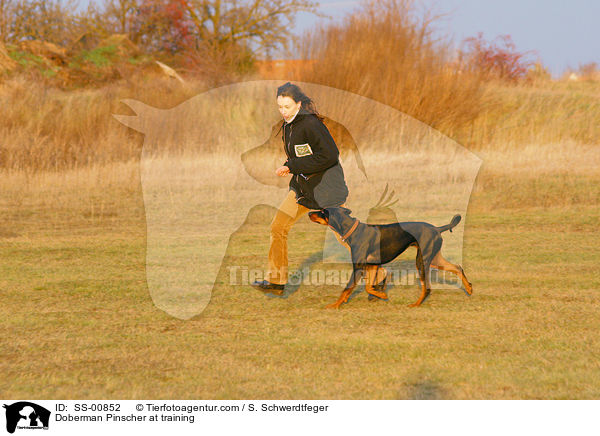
(563, 33)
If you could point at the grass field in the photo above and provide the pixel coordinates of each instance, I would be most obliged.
(78, 321)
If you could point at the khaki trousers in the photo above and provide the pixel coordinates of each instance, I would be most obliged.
(289, 212)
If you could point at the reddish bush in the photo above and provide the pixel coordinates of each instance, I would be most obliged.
(496, 59)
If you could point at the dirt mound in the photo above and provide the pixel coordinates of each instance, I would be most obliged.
(46, 50)
(122, 45)
(88, 61)
(85, 41)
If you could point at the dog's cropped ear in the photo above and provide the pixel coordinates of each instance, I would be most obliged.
(337, 217)
(319, 217)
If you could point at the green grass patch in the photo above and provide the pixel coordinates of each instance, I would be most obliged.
(100, 57)
(26, 59)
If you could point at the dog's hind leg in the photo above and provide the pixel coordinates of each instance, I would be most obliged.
(423, 277)
(375, 276)
(381, 279)
(356, 275)
(442, 264)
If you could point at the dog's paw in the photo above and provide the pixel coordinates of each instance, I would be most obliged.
(376, 295)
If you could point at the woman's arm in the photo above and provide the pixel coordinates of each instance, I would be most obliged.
(282, 171)
(324, 151)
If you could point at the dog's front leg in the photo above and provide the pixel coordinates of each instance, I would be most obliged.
(354, 279)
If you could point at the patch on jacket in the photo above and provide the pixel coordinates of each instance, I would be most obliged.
(302, 150)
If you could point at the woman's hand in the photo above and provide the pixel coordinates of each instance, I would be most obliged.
(282, 171)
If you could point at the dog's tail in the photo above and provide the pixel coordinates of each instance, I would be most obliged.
(450, 226)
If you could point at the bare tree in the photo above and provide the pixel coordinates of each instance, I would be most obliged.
(123, 13)
(185, 24)
(5, 14)
(263, 24)
(140, 20)
(48, 20)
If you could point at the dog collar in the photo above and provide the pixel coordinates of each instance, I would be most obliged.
(352, 229)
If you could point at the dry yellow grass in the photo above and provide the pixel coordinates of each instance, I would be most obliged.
(52, 129)
(48, 128)
(554, 113)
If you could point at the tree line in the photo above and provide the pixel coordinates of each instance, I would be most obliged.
(159, 26)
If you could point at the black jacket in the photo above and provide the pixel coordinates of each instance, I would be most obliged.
(313, 159)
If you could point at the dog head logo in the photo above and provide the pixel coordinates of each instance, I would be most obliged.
(208, 161)
(26, 415)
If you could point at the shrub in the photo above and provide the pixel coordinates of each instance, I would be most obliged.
(589, 71)
(497, 59)
(538, 73)
(386, 51)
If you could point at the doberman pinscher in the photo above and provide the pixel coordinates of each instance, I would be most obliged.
(374, 245)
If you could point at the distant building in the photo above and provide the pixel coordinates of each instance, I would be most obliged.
(283, 68)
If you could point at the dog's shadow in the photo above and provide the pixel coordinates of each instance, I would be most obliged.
(393, 286)
(297, 279)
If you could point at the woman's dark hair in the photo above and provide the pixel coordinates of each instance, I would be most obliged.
(295, 93)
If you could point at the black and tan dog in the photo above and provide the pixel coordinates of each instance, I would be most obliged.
(374, 245)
